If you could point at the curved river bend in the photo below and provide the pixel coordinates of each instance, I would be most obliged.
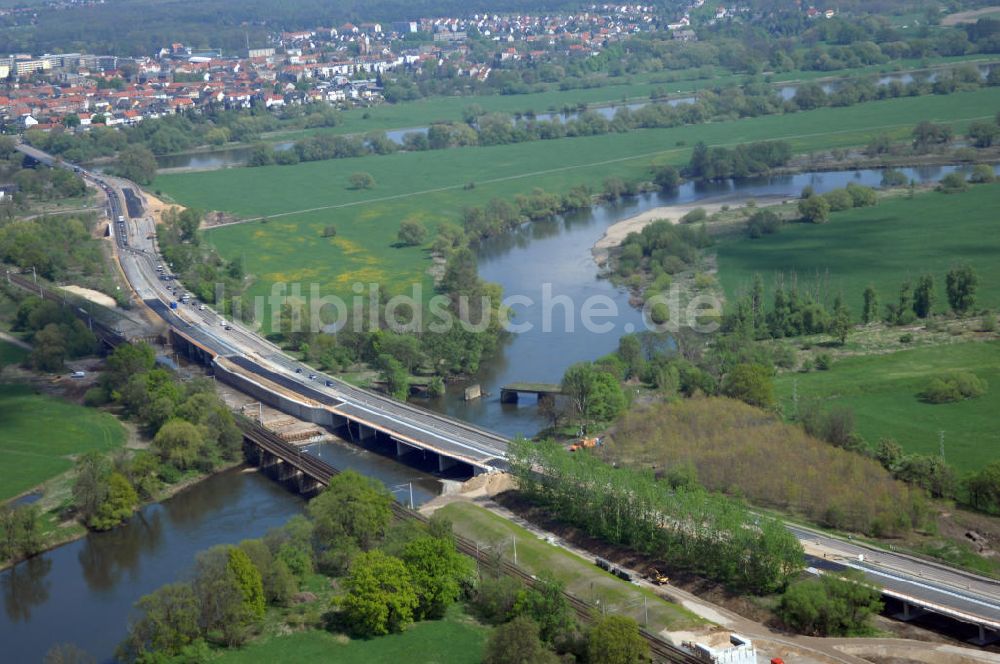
(83, 592)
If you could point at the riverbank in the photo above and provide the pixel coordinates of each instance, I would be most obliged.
(72, 530)
(615, 234)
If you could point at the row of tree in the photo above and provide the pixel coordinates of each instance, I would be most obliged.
(693, 529)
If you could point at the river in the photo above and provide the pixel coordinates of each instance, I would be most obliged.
(238, 156)
(83, 592)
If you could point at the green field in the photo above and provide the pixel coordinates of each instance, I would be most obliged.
(884, 245)
(582, 578)
(882, 392)
(456, 639)
(423, 112)
(429, 186)
(11, 354)
(39, 435)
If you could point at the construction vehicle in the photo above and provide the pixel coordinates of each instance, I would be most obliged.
(586, 444)
(655, 576)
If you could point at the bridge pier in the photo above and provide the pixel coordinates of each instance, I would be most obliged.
(508, 396)
(986, 637)
(909, 612)
(402, 449)
(546, 399)
(444, 463)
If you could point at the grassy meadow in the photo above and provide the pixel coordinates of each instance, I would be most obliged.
(581, 577)
(882, 392)
(883, 245)
(431, 187)
(39, 435)
(456, 639)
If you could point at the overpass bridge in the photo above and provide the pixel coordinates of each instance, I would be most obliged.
(255, 366)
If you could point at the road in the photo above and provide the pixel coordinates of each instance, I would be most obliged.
(962, 595)
(136, 250)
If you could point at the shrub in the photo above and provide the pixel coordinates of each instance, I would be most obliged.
(953, 387)
(953, 183)
(905, 338)
(830, 605)
(893, 178)
(824, 361)
(839, 200)
(988, 323)
(982, 174)
(694, 216)
(763, 222)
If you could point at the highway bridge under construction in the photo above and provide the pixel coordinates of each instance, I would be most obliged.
(253, 365)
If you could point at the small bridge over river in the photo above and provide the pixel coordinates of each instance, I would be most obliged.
(545, 391)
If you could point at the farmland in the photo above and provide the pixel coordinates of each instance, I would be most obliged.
(39, 436)
(899, 239)
(432, 187)
(882, 392)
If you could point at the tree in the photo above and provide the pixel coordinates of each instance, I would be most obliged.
(666, 177)
(118, 503)
(395, 376)
(923, 296)
(179, 443)
(517, 642)
(616, 640)
(380, 598)
(411, 233)
(20, 532)
(547, 606)
(461, 273)
(436, 570)
(361, 181)
(870, 312)
(168, 621)
(961, 285)
(137, 163)
(814, 209)
(90, 487)
(840, 324)
(594, 394)
(249, 581)
(751, 383)
(352, 506)
(982, 174)
(984, 488)
(50, 352)
(229, 593)
(983, 134)
(953, 183)
(834, 605)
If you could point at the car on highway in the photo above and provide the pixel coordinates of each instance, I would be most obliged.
(312, 376)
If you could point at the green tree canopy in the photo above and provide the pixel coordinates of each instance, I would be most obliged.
(380, 597)
(437, 571)
(616, 640)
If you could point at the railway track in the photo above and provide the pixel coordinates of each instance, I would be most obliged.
(661, 650)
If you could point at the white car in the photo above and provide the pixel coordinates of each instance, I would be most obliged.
(78, 374)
